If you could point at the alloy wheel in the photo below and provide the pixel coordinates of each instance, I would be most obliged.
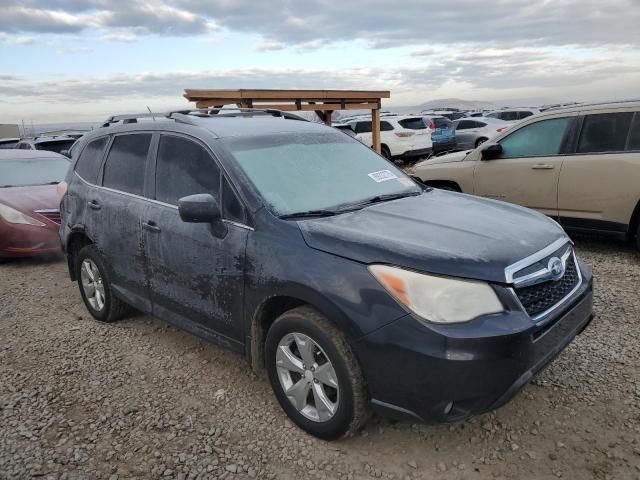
(307, 377)
(92, 284)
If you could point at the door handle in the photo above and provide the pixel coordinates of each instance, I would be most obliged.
(94, 205)
(151, 226)
(543, 166)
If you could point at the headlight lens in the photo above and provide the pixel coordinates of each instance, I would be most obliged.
(438, 299)
(12, 215)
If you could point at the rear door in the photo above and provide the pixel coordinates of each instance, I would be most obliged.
(196, 271)
(527, 171)
(466, 132)
(118, 208)
(600, 184)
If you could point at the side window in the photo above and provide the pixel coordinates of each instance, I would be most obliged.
(417, 123)
(231, 207)
(363, 127)
(494, 115)
(524, 114)
(479, 124)
(90, 160)
(184, 168)
(385, 126)
(538, 139)
(605, 132)
(634, 135)
(466, 125)
(509, 116)
(126, 162)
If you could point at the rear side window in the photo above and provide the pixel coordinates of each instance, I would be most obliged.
(385, 126)
(363, 127)
(605, 132)
(184, 168)
(479, 124)
(509, 116)
(525, 114)
(538, 139)
(126, 162)
(90, 159)
(466, 125)
(413, 123)
(634, 135)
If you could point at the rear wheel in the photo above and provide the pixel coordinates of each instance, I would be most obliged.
(638, 237)
(95, 287)
(480, 141)
(315, 375)
(385, 152)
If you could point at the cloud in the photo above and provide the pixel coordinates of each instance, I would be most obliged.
(380, 23)
(74, 50)
(9, 39)
(120, 37)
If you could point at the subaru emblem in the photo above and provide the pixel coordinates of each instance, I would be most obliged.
(556, 268)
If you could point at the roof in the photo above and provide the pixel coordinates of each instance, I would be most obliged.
(595, 106)
(46, 138)
(15, 154)
(223, 126)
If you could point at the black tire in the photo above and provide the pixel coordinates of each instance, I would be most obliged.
(385, 152)
(353, 408)
(480, 141)
(638, 237)
(113, 308)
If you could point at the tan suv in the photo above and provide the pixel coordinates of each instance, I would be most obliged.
(579, 165)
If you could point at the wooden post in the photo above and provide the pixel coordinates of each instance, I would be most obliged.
(327, 117)
(375, 129)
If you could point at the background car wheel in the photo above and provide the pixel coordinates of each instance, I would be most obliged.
(95, 287)
(315, 375)
(638, 237)
(385, 152)
(480, 141)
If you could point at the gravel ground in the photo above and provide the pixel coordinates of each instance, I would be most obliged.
(139, 399)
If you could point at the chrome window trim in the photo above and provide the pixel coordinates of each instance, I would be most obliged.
(47, 210)
(531, 259)
(157, 202)
(540, 318)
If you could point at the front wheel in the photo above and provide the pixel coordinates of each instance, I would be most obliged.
(480, 141)
(315, 375)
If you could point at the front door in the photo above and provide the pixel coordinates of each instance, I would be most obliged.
(196, 271)
(527, 171)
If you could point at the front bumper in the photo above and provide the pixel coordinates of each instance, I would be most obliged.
(445, 373)
(17, 240)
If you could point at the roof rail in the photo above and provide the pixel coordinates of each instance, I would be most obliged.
(129, 118)
(232, 112)
(595, 104)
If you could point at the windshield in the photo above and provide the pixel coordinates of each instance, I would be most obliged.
(55, 145)
(316, 171)
(36, 171)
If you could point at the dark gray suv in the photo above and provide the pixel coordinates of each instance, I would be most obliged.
(303, 250)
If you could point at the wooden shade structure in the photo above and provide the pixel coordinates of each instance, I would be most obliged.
(323, 102)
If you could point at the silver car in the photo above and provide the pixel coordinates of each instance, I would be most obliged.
(471, 132)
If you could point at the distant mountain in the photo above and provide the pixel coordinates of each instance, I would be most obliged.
(456, 103)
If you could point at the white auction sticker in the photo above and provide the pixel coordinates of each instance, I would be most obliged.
(382, 176)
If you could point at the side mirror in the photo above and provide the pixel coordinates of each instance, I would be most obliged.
(200, 208)
(490, 151)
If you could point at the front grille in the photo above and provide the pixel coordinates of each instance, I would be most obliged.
(53, 215)
(539, 298)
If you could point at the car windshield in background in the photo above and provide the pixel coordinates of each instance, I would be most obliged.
(36, 171)
(312, 172)
(56, 146)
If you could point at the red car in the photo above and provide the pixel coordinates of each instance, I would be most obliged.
(30, 202)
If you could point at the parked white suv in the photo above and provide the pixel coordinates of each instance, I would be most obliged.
(397, 141)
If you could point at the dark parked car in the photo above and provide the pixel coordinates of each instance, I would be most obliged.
(50, 144)
(29, 202)
(317, 259)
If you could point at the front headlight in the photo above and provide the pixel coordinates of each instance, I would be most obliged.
(12, 215)
(438, 299)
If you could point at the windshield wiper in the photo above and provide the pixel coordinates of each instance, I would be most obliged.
(311, 213)
(384, 198)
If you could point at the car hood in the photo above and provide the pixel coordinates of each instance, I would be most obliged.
(448, 158)
(28, 199)
(439, 232)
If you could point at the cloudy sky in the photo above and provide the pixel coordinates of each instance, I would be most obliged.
(66, 60)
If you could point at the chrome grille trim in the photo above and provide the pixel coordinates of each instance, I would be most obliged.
(514, 268)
